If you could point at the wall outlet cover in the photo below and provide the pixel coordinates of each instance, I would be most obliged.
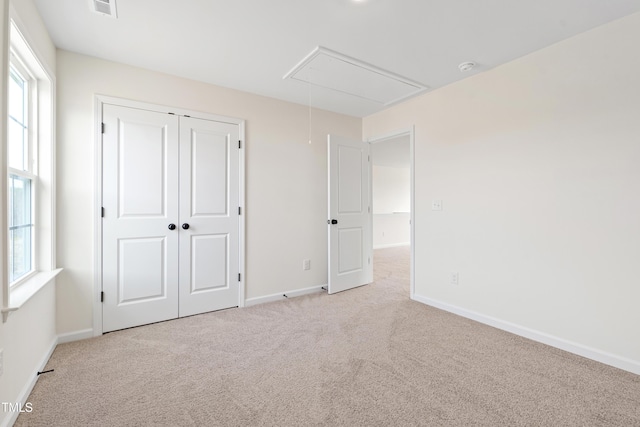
(454, 278)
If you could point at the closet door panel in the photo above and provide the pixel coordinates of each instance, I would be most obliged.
(140, 189)
(209, 188)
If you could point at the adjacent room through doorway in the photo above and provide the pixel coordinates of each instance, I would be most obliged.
(392, 201)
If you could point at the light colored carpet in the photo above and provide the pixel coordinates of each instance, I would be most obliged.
(368, 356)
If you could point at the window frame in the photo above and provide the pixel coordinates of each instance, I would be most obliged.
(22, 49)
(17, 66)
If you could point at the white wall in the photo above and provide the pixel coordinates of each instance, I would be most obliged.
(536, 162)
(286, 196)
(391, 206)
(29, 333)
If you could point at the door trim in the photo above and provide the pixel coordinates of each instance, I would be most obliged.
(99, 102)
(385, 137)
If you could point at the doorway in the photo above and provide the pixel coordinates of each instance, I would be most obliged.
(393, 198)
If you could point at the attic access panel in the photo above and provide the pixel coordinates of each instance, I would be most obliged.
(332, 70)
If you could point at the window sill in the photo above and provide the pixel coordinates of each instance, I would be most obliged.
(22, 293)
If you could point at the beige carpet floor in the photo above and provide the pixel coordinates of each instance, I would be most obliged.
(365, 357)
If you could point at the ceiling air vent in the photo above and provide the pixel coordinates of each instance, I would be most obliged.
(104, 7)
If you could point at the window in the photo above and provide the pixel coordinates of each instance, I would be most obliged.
(21, 191)
(30, 173)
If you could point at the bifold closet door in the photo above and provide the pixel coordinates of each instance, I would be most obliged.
(140, 190)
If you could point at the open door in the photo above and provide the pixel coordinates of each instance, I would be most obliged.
(350, 226)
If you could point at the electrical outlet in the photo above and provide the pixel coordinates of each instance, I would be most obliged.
(306, 264)
(1, 362)
(454, 278)
(436, 205)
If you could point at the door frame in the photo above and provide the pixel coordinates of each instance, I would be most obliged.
(385, 137)
(99, 102)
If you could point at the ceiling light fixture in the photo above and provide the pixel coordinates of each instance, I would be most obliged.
(466, 66)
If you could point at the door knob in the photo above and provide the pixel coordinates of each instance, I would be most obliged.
(334, 221)
(172, 226)
(185, 226)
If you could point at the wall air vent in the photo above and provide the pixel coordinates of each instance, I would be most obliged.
(104, 7)
(332, 70)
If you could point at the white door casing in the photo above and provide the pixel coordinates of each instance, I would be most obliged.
(159, 172)
(140, 181)
(350, 220)
(209, 205)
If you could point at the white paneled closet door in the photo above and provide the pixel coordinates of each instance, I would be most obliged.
(140, 190)
(170, 228)
(209, 217)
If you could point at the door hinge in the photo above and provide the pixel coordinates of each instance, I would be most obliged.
(239, 210)
(102, 212)
(102, 127)
(368, 158)
(239, 144)
(369, 260)
(101, 296)
(239, 277)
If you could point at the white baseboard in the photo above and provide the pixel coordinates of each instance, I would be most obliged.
(75, 336)
(28, 387)
(623, 363)
(391, 245)
(280, 296)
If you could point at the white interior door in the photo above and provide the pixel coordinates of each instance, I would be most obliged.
(350, 225)
(140, 189)
(171, 227)
(209, 217)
